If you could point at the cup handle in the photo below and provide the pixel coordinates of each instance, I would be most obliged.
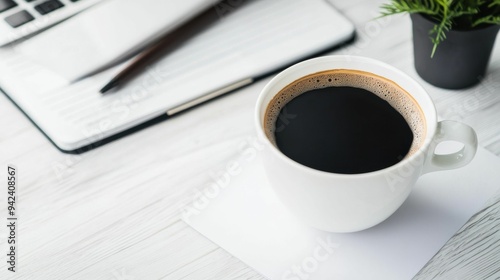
(451, 131)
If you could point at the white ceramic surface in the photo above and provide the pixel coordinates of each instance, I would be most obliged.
(348, 203)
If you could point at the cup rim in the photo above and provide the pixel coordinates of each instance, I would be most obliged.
(430, 116)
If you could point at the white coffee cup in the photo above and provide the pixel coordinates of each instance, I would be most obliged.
(352, 202)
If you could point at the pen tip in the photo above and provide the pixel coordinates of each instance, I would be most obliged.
(107, 87)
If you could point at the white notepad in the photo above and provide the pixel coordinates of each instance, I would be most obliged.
(244, 217)
(107, 33)
(260, 37)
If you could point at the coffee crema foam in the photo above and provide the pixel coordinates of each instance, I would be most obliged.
(384, 88)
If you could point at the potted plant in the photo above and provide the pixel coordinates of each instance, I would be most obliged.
(452, 39)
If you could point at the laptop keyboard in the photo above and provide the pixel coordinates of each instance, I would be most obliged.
(41, 8)
(6, 4)
(19, 18)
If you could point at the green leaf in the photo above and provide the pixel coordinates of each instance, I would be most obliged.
(447, 13)
(487, 20)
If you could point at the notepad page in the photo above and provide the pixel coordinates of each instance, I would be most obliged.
(107, 33)
(259, 37)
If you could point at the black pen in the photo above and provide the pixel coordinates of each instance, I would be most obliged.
(166, 44)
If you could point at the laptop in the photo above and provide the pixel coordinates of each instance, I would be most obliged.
(22, 18)
(54, 76)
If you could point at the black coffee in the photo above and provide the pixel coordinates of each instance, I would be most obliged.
(345, 122)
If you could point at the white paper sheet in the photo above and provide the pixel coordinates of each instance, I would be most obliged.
(244, 217)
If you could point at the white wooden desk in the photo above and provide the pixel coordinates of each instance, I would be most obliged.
(114, 212)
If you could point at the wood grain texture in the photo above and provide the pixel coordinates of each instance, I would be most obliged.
(114, 212)
(473, 252)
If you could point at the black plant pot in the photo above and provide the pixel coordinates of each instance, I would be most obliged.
(460, 60)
